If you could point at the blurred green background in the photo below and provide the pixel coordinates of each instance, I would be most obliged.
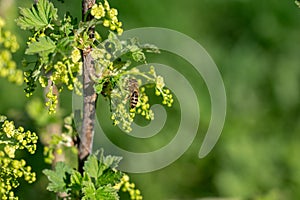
(255, 45)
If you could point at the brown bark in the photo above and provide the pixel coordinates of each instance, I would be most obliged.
(89, 97)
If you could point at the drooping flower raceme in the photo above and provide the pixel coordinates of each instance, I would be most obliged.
(13, 139)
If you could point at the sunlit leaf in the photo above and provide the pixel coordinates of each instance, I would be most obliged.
(44, 46)
(107, 192)
(91, 166)
(89, 190)
(56, 177)
(37, 17)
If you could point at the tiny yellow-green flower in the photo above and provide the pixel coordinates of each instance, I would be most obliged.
(106, 23)
(75, 55)
(98, 11)
(112, 12)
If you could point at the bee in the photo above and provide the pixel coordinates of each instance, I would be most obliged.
(133, 87)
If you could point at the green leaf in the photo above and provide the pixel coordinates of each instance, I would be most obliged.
(89, 190)
(57, 176)
(76, 181)
(109, 177)
(95, 168)
(91, 166)
(107, 162)
(37, 17)
(75, 186)
(76, 178)
(43, 47)
(107, 193)
(98, 87)
(67, 24)
(64, 45)
(112, 161)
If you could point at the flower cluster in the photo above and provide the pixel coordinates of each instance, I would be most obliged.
(30, 79)
(7, 39)
(119, 93)
(113, 58)
(121, 116)
(117, 89)
(160, 89)
(109, 16)
(11, 169)
(52, 100)
(143, 106)
(8, 44)
(54, 45)
(19, 139)
(126, 186)
(64, 73)
(76, 55)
